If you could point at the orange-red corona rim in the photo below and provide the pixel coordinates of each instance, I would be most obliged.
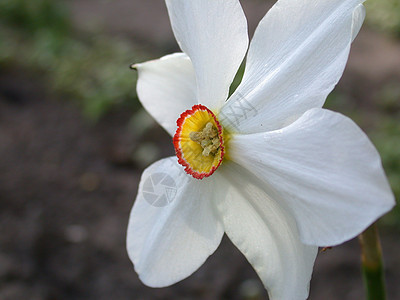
(198, 161)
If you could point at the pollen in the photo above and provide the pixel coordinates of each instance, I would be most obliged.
(207, 138)
(198, 141)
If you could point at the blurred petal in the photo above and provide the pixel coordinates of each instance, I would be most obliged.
(167, 87)
(295, 59)
(266, 233)
(326, 171)
(213, 33)
(358, 19)
(167, 241)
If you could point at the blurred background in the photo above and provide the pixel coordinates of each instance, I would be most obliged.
(74, 141)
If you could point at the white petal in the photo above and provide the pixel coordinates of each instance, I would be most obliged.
(167, 242)
(265, 233)
(358, 19)
(167, 87)
(214, 35)
(295, 59)
(325, 169)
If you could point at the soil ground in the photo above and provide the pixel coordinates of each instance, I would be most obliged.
(66, 193)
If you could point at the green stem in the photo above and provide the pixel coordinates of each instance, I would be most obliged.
(372, 265)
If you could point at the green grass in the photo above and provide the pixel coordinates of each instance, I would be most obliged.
(91, 69)
(384, 14)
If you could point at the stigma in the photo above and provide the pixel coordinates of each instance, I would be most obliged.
(199, 142)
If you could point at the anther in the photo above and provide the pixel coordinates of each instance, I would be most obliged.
(207, 138)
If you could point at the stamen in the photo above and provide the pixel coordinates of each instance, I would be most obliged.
(207, 138)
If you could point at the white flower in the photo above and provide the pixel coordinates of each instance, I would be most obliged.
(293, 176)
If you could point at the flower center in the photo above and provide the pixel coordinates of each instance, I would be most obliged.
(198, 142)
(207, 138)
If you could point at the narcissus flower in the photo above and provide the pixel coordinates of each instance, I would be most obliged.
(268, 166)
